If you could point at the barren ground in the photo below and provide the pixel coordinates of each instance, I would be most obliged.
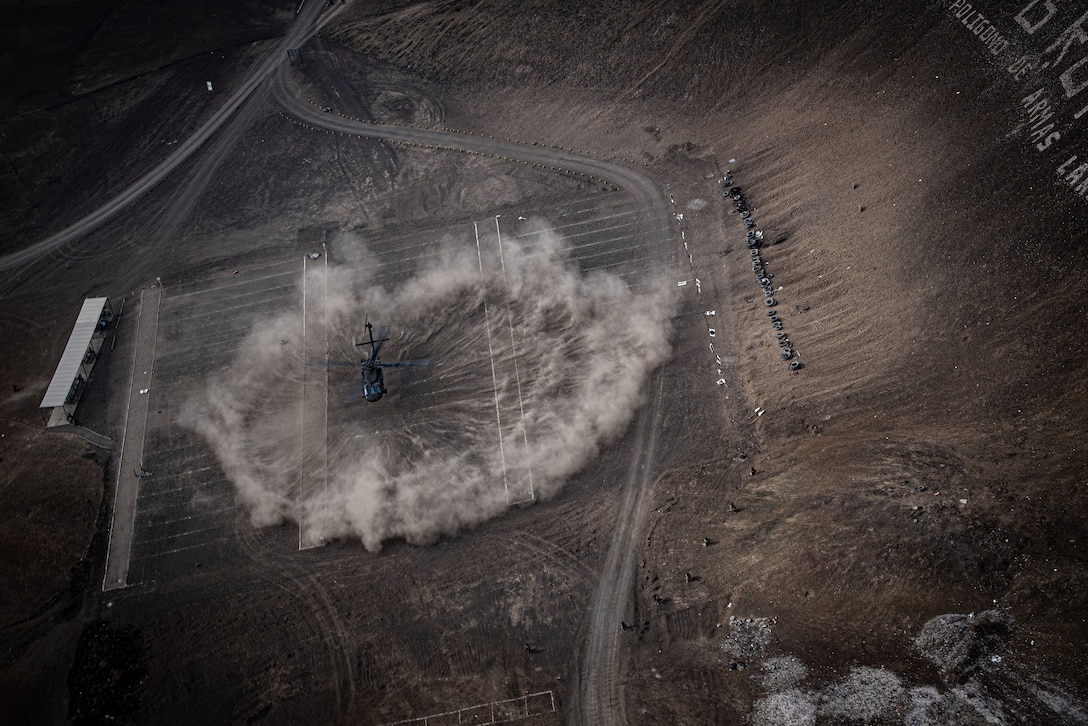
(801, 565)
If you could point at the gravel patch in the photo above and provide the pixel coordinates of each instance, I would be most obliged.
(747, 638)
(780, 674)
(863, 695)
(788, 708)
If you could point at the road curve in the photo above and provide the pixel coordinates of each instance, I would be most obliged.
(598, 695)
(303, 27)
(640, 186)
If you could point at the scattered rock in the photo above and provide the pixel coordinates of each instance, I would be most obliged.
(747, 637)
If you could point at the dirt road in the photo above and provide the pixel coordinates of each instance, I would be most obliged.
(598, 697)
(657, 218)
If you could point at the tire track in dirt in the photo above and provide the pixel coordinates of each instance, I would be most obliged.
(598, 697)
(705, 12)
(291, 576)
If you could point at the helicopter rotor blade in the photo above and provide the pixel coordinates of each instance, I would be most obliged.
(331, 363)
(406, 363)
(383, 333)
(375, 342)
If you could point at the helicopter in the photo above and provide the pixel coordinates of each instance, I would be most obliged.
(371, 377)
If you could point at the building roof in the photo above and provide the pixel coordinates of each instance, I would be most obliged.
(68, 368)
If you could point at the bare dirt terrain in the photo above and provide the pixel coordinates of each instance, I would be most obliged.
(532, 195)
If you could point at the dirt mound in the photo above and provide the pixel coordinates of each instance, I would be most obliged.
(962, 645)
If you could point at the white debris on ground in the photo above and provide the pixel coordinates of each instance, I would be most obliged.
(787, 708)
(782, 673)
(1059, 703)
(960, 645)
(746, 639)
(874, 695)
(863, 695)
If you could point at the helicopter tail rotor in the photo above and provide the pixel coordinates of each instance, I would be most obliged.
(374, 343)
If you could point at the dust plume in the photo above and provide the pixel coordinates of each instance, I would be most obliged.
(535, 364)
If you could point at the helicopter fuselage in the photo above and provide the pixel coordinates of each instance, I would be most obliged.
(373, 382)
(370, 368)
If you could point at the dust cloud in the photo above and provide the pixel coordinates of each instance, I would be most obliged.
(535, 364)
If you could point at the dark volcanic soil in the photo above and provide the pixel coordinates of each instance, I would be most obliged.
(892, 534)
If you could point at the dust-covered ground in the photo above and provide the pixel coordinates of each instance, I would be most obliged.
(561, 353)
(892, 534)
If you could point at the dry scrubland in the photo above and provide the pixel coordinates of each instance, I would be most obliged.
(908, 544)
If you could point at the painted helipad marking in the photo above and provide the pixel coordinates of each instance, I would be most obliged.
(583, 258)
(626, 262)
(494, 376)
(514, 354)
(175, 475)
(239, 283)
(504, 711)
(232, 290)
(306, 542)
(225, 539)
(582, 222)
(302, 407)
(325, 250)
(130, 459)
(180, 465)
(216, 312)
(593, 234)
(186, 533)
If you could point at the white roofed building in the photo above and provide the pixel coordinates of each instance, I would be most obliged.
(74, 369)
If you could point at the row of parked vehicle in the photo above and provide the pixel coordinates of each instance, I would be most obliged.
(754, 240)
